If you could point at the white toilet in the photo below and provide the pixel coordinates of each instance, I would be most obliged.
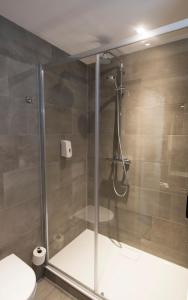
(17, 279)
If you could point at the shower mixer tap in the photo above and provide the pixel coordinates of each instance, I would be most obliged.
(126, 161)
(118, 80)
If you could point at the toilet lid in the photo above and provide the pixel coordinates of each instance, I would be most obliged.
(17, 279)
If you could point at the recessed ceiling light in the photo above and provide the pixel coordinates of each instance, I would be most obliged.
(141, 30)
(147, 44)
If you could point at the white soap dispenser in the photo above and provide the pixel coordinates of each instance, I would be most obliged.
(66, 149)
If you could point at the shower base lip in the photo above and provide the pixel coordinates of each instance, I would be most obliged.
(69, 284)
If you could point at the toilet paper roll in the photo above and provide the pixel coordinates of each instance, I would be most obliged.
(39, 255)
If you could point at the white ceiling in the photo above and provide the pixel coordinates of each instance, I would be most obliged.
(79, 25)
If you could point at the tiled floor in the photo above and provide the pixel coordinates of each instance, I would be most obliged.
(47, 291)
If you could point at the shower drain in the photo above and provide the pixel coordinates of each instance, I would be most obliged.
(102, 294)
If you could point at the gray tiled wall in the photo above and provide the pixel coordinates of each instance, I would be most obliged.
(154, 125)
(154, 134)
(20, 219)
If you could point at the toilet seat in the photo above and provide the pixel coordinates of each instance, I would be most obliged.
(17, 279)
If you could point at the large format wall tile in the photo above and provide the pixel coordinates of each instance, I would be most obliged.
(154, 128)
(21, 185)
(20, 222)
(4, 114)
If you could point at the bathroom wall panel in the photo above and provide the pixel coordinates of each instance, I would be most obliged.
(20, 183)
(20, 163)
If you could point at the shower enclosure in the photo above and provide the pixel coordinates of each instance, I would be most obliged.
(115, 212)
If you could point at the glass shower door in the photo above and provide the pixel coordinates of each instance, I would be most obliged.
(143, 235)
(117, 207)
(70, 243)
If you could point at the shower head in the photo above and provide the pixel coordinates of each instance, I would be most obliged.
(106, 58)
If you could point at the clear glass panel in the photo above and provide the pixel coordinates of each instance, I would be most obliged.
(143, 174)
(66, 110)
(143, 229)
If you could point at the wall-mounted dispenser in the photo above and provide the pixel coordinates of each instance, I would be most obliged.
(66, 149)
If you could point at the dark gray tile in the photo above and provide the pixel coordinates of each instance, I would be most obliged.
(59, 94)
(8, 153)
(79, 148)
(58, 121)
(53, 150)
(23, 118)
(2, 201)
(79, 194)
(23, 45)
(28, 149)
(17, 221)
(170, 234)
(21, 185)
(4, 114)
(80, 124)
(178, 149)
(4, 91)
(22, 78)
(178, 208)
(4, 66)
(23, 244)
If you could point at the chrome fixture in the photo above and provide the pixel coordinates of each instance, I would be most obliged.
(118, 80)
(106, 58)
(28, 99)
